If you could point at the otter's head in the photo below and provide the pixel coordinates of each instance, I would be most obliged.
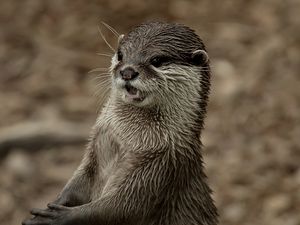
(161, 64)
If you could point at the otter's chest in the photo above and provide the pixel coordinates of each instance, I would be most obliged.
(108, 150)
(108, 155)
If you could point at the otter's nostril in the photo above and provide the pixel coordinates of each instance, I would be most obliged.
(128, 73)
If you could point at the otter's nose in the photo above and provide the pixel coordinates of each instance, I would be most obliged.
(128, 73)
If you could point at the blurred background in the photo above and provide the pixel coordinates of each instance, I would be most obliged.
(252, 134)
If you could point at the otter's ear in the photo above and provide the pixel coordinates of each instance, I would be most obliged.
(120, 38)
(199, 57)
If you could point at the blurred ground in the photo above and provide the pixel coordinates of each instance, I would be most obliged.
(252, 134)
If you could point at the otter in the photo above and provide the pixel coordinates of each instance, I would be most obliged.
(143, 164)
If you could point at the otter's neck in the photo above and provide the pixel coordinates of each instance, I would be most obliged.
(174, 123)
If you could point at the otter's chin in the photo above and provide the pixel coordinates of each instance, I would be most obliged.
(133, 98)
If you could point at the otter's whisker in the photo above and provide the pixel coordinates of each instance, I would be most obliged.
(98, 70)
(103, 83)
(99, 76)
(100, 79)
(106, 73)
(111, 29)
(104, 39)
(104, 54)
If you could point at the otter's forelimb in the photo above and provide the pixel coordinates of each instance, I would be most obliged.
(131, 194)
(79, 188)
(75, 193)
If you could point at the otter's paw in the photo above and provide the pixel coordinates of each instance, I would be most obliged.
(54, 215)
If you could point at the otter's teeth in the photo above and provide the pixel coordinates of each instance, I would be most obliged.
(133, 93)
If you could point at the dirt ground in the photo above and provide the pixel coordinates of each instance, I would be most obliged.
(252, 133)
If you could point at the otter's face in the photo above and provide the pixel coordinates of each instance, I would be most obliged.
(157, 62)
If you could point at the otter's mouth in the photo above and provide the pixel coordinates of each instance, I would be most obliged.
(133, 93)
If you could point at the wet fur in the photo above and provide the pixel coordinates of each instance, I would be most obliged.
(143, 164)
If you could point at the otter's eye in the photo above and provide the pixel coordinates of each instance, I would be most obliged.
(120, 56)
(159, 61)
